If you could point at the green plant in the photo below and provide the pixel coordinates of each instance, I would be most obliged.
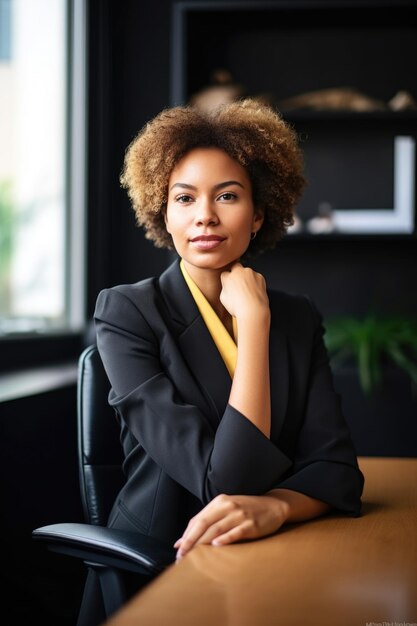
(6, 212)
(6, 228)
(371, 342)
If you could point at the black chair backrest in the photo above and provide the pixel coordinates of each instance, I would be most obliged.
(100, 454)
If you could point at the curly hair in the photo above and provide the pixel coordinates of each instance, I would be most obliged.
(250, 132)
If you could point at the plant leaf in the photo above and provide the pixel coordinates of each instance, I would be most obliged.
(371, 340)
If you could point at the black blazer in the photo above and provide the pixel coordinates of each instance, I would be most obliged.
(183, 443)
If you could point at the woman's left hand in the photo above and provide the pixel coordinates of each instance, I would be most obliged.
(227, 519)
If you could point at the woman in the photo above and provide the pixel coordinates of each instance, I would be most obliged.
(229, 420)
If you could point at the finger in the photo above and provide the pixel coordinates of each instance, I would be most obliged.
(224, 277)
(192, 536)
(205, 530)
(226, 274)
(237, 533)
(221, 527)
(248, 529)
(194, 531)
(216, 510)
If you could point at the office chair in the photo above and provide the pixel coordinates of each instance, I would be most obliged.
(109, 552)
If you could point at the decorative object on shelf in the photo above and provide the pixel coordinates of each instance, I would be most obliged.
(296, 227)
(402, 101)
(373, 342)
(322, 223)
(222, 90)
(346, 99)
(338, 98)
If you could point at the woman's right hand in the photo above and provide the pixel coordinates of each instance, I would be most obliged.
(244, 293)
(228, 519)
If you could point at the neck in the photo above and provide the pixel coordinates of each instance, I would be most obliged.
(209, 283)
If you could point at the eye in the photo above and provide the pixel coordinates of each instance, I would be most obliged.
(227, 196)
(183, 198)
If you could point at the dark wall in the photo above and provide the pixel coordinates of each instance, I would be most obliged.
(347, 277)
(128, 84)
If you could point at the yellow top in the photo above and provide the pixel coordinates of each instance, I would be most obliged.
(224, 342)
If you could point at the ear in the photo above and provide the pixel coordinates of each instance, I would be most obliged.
(166, 222)
(258, 220)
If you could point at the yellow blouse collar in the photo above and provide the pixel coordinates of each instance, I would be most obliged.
(224, 342)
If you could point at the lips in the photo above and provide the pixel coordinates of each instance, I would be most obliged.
(208, 238)
(207, 242)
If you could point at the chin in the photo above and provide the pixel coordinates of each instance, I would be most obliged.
(212, 258)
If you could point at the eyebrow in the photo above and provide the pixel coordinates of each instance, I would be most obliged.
(227, 183)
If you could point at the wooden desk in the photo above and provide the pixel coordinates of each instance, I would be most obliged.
(333, 571)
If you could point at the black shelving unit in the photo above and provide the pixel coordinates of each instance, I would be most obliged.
(282, 49)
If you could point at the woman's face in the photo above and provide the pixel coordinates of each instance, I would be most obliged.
(210, 213)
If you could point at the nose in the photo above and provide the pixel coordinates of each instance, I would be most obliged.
(206, 213)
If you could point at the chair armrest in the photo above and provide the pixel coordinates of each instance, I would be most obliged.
(107, 546)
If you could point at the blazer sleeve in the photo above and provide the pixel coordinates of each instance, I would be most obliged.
(325, 463)
(235, 458)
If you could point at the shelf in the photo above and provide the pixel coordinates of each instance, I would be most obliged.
(285, 48)
(21, 384)
(349, 116)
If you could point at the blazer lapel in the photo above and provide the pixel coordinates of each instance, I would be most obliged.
(195, 342)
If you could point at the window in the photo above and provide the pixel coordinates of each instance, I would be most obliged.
(42, 158)
(4, 29)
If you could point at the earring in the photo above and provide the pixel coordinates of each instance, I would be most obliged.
(253, 235)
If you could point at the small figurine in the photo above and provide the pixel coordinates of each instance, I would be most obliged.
(402, 101)
(296, 227)
(322, 224)
(222, 91)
